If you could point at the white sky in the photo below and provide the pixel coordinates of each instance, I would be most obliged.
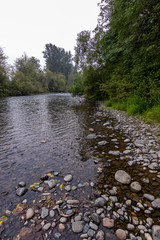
(27, 25)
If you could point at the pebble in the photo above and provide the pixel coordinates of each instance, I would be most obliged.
(63, 220)
(135, 187)
(46, 226)
(121, 234)
(61, 227)
(95, 218)
(156, 203)
(102, 143)
(21, 191)
(29, 213)
(77, 227)
(44, 213)
(156, 232)
(130, 227)
(52, 213)
(100, 202)
(148, 197)
(122, 177)
(21, 184)
(100, 235)
(108, 223)
(93, 226)
(72, 202)
(114, 153)
(68, 178)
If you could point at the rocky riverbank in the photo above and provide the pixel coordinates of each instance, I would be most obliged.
(125, 205)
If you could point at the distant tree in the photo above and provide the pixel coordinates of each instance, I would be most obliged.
(56, 81)
(3, 67)
(58, 60)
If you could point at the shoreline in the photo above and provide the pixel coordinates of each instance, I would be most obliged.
(42, 218)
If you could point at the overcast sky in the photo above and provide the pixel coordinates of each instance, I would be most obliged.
(27, 25)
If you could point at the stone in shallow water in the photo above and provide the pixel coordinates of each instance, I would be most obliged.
(68, 178)
(29, 213)
(100, 202)
(51, 184)
(122, 177)
(156, 232)
(127, 152)
(102, 143)
(148, 196)
(91, 136)
(22, 184)
(100, 235)
(139, 143)
(21, 191)
(46, 226)
(121, 234)
(114, 153)
(95, 218)
(77, 227)
(108, 223)
(135, 187)
(156, 203)
(44, 213)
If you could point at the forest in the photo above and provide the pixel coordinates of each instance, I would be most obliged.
(27, 77)
(119, 61)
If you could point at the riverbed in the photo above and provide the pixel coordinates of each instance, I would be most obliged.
(57, 135)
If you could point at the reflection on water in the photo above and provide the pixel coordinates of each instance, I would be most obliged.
(38, 134)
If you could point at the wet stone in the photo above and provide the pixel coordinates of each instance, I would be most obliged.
(77, 227)
(156, 232)
(91, 233)
(21, 184)
(156, 203)
(100, 202)
(148, 197)
(100, 235)
(68, 178)
(114, 153)
(44, 177)
(121, 234)
(102, 143)
(29, 213)
(46, 226)
(44, 213)
(21, 191)
(91, 136)
(108, 223)
(135, 187)
(122, 177)
(95, 218)
(93, 226)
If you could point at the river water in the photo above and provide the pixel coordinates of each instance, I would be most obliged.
(45, 133)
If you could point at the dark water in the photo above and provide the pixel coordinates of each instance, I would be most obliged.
(44, 133)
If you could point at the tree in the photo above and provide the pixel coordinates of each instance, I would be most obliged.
(58, 60)
(3, 67)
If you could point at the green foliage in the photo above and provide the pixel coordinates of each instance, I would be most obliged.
(58, 60)
(56, 82)
(77, 87)
(121, 61)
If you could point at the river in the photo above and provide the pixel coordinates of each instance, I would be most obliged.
(46, 133)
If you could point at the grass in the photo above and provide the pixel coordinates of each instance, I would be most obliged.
(138, 107)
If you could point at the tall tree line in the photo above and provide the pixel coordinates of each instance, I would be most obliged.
(120, 61)
(26, 76)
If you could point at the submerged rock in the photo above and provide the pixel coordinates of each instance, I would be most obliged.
(121, 234)
(102, 143)
(115, 153)
(156, 232)
(135, 187)
(29, 213)
(122, 177)
(68, 178)
(156, 203)
(21, 191)
(100, 202)
(77, 227)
